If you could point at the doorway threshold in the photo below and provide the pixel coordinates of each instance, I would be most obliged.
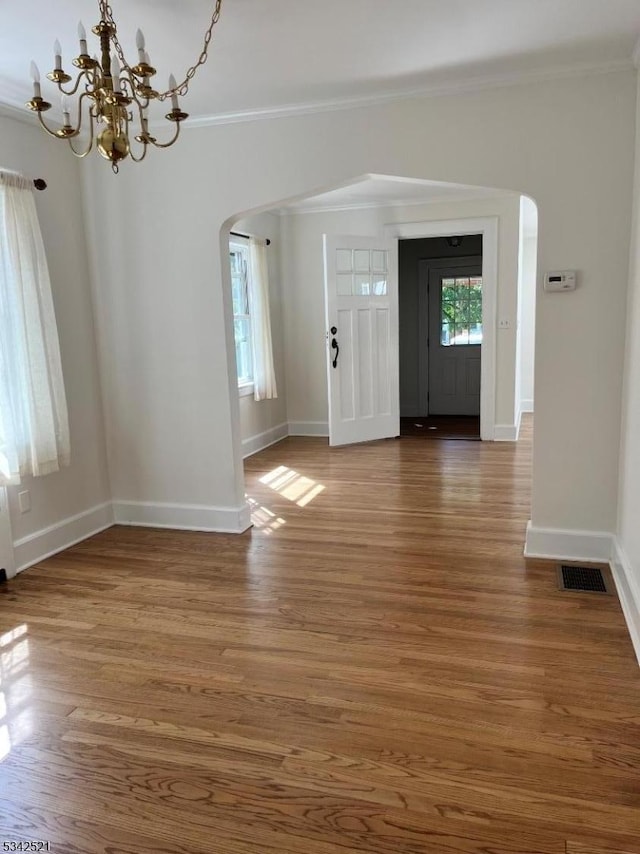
(466, 427)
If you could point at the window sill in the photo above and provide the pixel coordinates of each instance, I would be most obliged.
(245, 390)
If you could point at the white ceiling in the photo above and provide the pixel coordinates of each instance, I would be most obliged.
(271, 56)
(380, 191)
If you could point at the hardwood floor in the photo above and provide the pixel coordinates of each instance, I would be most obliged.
(373, 668)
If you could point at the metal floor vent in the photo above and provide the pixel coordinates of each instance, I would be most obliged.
(582, 579)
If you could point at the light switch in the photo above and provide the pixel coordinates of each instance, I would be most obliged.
(24, 501)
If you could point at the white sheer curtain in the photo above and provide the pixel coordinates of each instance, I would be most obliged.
(34, 428)
(264, 376)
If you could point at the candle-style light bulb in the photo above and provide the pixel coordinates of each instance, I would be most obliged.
(66, 111)
(115, 74)
(82, 35)
(57, 50)
(35, 75)
(140, 46)
(174, 95)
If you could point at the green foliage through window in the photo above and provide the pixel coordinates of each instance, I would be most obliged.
(461, 311)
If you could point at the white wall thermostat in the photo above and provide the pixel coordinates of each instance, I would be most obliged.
(560, 280)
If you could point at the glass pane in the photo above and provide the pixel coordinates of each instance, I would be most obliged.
(379, 260)
(344, 260)
(448, 283)
(362, 285)
(444, 335)
(476, 281)
(462, 288)
(461, 336)
(238, 291)
(448, 312)
(361, 260)
(475, 313)
(475, 334)
(462, 313)
(448, 292)
(379, 286)
(344, 284)
(242, 331)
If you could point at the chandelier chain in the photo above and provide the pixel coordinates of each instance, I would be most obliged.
(181, 88)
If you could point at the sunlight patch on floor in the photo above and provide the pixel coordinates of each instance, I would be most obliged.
(264, 519)
(16, 722)
(292, 485)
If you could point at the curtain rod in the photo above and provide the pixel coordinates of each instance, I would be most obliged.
(237, 234)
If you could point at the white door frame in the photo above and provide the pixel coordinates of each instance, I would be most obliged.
(488, 228)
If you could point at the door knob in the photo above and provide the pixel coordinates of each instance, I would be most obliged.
(334, 346)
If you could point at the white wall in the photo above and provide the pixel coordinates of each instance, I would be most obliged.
(163, 289)
(304, 288)
(84, 485)
(629, 507)
(258, 419)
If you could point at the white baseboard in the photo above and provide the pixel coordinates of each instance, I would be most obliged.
(628, 593)
(526, 405)
(308, 428)
(184, 517)
(506, 432)
(62, 535)
(260, 441)
(562, 544)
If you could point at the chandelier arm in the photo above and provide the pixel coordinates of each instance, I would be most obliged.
(80, 99)
(170, 143)
(44, 125)
(181, 88)
(84, 153)
(77, 86)
(142, 156)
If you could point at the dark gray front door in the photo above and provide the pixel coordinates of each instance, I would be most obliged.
(455, 339)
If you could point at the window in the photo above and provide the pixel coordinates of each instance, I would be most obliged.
(34, 428)
(461, 311)
(239, 258)
(361, 272)
(252, 318)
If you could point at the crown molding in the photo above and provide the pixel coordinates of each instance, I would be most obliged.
(478, 84)
(18, 114)
(396, 203)
(13, 97)
(13, 104)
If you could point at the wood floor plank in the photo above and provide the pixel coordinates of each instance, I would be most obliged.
(373, 669)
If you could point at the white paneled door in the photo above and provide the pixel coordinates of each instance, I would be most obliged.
(361, 299)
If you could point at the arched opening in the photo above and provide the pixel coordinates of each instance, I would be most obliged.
(502, 222)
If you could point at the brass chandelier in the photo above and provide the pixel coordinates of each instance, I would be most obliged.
(114, 95)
